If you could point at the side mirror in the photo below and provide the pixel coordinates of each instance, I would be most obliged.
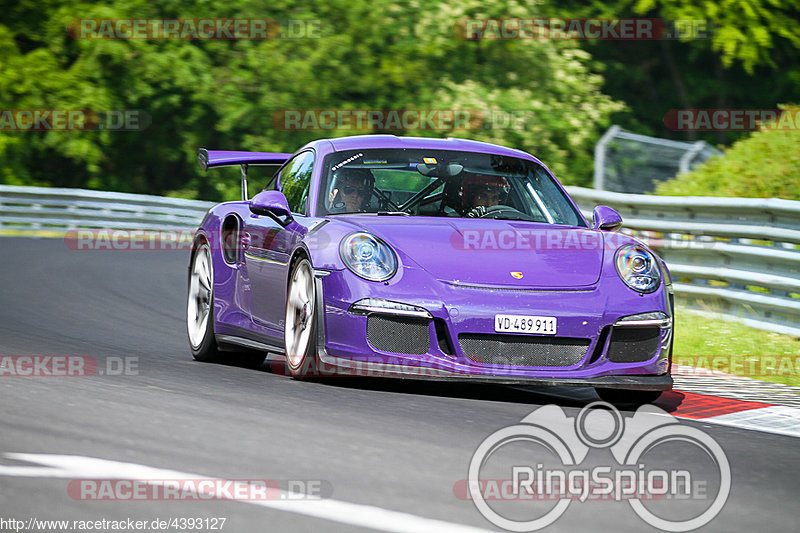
(270, 203)
(606, 219)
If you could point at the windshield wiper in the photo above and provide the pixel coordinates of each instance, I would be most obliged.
(393, 213)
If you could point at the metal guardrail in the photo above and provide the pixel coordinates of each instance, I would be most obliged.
(39, 208)
(736, 256)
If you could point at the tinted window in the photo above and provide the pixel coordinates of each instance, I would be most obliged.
(295, 179)
(441, 183)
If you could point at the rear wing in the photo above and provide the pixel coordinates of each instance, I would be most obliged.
(226, 158)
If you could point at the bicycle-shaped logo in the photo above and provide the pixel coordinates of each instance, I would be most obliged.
(568, 440)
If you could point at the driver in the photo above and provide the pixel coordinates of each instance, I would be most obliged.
(351, 190)
(480, 192)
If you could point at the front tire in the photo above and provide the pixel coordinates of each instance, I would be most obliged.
(300, 323)
(200, 307)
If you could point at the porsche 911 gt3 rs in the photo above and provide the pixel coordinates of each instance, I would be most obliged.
(428, 258)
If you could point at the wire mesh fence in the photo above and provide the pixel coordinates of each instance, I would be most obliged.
(632, 163)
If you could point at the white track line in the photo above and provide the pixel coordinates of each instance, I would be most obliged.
(715, 383)
(368, 516)
(777, 419)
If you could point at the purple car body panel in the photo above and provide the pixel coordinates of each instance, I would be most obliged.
(463, 287)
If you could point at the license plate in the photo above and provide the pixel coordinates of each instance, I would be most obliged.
(545, 325)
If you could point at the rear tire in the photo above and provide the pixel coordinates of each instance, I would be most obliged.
(628, 397)
(300, 323)
(200, 307)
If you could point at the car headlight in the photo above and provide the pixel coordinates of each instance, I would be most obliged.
(368, 256)
(638, 268)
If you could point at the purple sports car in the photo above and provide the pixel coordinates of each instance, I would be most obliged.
(429, 258)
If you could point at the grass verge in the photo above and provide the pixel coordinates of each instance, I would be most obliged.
(734, 348)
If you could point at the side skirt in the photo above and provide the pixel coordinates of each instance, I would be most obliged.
(230, 343)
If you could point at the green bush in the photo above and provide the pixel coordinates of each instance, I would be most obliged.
(764, 165)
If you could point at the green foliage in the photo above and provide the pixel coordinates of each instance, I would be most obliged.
(733, 54)
(379, 54)
(400, 180)
(707, 340)
(223, 94)
(764, 165)
(741, 30)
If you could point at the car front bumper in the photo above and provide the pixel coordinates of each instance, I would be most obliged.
(589, 316)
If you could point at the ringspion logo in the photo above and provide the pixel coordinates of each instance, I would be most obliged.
(517, 494)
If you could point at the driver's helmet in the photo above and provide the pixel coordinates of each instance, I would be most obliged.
(472, 184)
(345, 180)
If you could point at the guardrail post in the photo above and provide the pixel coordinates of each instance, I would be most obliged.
(600, 156)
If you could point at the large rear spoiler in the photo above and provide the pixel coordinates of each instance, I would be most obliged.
(226, 158)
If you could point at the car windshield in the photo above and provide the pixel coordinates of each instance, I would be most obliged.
(441, 183)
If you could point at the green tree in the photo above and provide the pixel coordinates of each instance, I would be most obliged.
(748, 58)
(748, 31)
(223, 94)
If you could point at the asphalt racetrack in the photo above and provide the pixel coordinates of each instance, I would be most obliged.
(385, 455)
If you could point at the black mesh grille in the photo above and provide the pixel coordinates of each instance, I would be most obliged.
(633, 345)
(398, 334)
(523, 350)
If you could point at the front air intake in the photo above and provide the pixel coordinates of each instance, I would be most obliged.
(633, 344)
(523, 350)
(398, 334)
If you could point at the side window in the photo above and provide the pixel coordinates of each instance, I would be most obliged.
(295, 179)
